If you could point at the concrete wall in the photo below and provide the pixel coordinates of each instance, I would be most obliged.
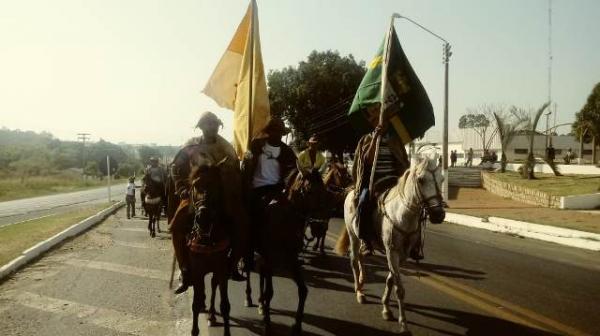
(589, 201)
(519, 193)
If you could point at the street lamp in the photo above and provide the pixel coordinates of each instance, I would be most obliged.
(447, 54)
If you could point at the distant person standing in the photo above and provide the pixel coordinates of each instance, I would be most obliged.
(453, 158)
(494, 157)
(569, 156)
(550, 153)
(469, 162)
(130, 198)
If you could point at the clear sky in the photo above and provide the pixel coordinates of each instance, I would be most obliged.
(132, 70)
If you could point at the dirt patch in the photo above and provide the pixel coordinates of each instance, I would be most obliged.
(481, 203)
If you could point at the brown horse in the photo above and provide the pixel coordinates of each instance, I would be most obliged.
(336, 182)
(153, 197)
(209, 241)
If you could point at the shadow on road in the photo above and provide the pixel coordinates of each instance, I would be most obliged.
(331, 325)
(474, 323)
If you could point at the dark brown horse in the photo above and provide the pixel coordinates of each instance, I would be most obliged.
(153, 198)
(278, 238)
(209, 241)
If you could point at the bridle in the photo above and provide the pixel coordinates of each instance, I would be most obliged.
(437, 197)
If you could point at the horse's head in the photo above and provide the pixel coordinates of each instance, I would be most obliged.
(205, 190)
(428, 175)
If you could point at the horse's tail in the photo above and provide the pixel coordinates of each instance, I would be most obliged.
(343, 243)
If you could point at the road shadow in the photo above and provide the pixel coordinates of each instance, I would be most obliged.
(331, 325)
(447, 271)
(475, 324)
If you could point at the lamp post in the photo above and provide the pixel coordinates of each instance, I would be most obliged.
(447, 54)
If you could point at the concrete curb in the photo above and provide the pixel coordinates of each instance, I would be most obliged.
(40, 248)
(568, 237)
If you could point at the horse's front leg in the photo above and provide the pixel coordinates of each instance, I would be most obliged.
(214, 282)
(247, 269)
(158, 220)
(298, 278)
(196, 308)
(355, 263)
(386, 313)
(395, 258)
(268, 295)
(221, 280)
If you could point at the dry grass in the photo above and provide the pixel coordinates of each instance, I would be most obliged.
(16, 238)
(481, 203)
(12, 188)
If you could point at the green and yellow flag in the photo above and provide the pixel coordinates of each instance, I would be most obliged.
(406, 105)
(238, 82)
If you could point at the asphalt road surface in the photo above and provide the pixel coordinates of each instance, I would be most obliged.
(18, 211)
(113, 280)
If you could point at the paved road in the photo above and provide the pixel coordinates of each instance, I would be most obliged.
(113, 281)
(17, 211)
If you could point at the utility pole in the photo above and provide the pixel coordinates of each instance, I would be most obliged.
(108, 176)
(83, 137)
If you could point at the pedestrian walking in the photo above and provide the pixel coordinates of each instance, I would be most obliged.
(469, 162)
(453, 158)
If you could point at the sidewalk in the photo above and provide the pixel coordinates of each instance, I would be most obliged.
(478, 208)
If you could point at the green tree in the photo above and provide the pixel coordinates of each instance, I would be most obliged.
(146, 152)
(315, 96)
(587, 121)
(91, 169)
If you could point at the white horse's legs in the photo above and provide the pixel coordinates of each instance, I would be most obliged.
(394, 258)
(357, 267)
(386, 313)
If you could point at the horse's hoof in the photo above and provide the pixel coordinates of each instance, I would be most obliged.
(248, 303)
(261, 310)
(211, 320)
(360, 298)
(296, 330)
(387, 315)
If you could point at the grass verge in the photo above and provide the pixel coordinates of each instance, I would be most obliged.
(16, 238)
(13, 188)
(554, 185)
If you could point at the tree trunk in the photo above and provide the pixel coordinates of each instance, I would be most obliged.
(503, 162)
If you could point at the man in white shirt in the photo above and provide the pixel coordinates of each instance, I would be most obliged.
(130, 198)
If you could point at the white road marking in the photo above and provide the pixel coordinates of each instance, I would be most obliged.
(102, 317)
(119, 268)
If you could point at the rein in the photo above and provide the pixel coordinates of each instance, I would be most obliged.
(422, 205)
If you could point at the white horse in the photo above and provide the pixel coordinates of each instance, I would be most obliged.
(396, 222)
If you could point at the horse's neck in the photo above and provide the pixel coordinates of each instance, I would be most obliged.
(402, 202)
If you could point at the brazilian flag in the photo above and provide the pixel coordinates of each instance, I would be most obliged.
(406, 105)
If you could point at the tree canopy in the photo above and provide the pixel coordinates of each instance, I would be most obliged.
(587, 121)
(314, 97)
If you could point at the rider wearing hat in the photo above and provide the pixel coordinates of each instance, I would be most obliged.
(311, 159)
(218, 149)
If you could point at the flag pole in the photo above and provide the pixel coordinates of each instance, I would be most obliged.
(381, 105)
(250, 100)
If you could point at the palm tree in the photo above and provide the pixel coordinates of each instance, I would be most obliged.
(507, 129)
(531, 126)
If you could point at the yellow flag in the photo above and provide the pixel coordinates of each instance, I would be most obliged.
(238, 82)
